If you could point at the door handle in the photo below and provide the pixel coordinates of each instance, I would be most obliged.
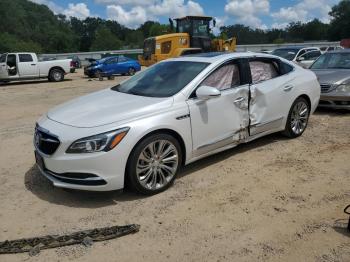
(33, 64)
(288, 88)
(239, 100)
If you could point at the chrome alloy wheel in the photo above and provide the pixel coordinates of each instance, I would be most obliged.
(157, 164)
(299, 117)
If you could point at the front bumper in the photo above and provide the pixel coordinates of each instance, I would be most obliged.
(101, 171)
(335, 101)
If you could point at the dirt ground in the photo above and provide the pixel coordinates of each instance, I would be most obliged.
(273, 199)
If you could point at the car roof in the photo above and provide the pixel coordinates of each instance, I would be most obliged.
(346, 50)
(213, 57)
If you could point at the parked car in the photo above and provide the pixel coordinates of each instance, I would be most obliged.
(307, 59)
(325, 49)
(111, 66)
(75, 62)
(169, 115)
(294, 52)
(333, 72)
(22, 66)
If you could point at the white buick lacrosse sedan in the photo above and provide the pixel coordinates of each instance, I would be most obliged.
(143, 130)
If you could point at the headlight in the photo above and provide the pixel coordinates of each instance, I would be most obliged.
(97, 143)
(343, 88)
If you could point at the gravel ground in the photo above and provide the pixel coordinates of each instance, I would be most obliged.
(273, 199)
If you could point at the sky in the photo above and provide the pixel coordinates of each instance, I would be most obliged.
(262, 14)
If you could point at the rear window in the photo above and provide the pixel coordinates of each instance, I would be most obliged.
(25, 58)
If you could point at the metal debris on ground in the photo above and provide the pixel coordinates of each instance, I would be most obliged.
(85, 237)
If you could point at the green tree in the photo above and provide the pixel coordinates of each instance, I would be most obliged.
(105, 40)
(340, 23)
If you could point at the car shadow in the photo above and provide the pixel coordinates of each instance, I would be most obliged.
(25, 82)
(43, 189)
(332, 112)
(340, 226)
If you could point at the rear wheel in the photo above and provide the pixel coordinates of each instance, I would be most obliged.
(56, 75)
(298, 118)
(154, 163)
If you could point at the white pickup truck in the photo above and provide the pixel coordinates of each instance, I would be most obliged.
(24, 66)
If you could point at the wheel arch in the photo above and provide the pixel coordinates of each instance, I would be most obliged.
(307, 98)
(56, 67)
(167, 131)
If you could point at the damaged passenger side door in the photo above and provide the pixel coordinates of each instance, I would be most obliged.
(271, 92)
(221, 120)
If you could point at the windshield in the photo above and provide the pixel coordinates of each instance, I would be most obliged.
(200, 28)
(288, 54)
(332, 61)
(162, 80)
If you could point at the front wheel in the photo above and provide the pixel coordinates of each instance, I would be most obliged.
(131, 71)
(298, 118)
(154, 163)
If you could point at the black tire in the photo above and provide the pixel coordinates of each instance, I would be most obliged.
(291, 129)
(72, 70)
(56, 75)
(98, 74)
(132, 177)
(131, 71)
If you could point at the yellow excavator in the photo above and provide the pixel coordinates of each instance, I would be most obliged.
(192, 36)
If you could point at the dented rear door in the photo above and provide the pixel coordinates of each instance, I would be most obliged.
(270, 98)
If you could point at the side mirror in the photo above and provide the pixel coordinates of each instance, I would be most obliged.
(207, 92)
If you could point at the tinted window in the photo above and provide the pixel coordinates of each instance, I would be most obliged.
(302, 52)
(312, 55)
(285, 68)
(25, 58)
(331, 48)
(122, 59)
(112, 60)
(225, 77)
(3, 58)
(162, 80)
(288, 54)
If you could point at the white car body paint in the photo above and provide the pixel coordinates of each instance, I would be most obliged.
(205, 126)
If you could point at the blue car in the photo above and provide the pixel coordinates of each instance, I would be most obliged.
(114, 65)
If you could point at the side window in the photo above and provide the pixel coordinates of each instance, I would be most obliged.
(285, 68)
(301, 52)
(25, 58)
(263, 70)
(224, 77)
(11, 60)
(3, 58)
(122, 59)
(112, 60)
(331, 48)
(312, 55)
(166, 47)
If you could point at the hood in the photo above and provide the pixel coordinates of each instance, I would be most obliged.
(332, 76)
(106, 107)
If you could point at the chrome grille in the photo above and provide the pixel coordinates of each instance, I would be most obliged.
(45, 142)
(325, 88)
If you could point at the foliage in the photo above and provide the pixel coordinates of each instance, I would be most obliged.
(340, 24)
(27, 26)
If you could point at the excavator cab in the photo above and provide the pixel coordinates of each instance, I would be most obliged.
(198, 28)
